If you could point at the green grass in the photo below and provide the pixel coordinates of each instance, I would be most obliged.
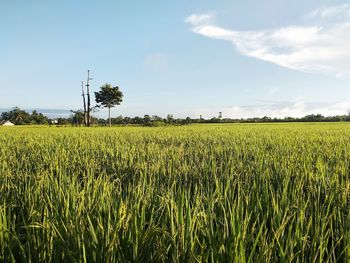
(205, 193)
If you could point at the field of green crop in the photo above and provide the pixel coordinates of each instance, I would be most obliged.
(206, 193)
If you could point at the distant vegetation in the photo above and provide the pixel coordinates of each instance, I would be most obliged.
(21, 117)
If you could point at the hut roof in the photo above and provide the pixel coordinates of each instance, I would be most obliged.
(7, 123)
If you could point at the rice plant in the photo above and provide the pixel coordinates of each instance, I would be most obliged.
(200, 193)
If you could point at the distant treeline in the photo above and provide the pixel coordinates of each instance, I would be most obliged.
(21, 117)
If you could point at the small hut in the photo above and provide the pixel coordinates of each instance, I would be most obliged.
(8, 123)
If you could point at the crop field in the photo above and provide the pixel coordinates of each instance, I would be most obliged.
(198, 193)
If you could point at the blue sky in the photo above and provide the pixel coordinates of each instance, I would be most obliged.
(186, 58)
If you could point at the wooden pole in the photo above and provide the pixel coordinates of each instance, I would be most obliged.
(83, 94)
(88, 99)
(109, 116)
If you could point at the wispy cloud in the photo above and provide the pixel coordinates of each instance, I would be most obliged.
(322, 47)
(331, 11)
(297, 108)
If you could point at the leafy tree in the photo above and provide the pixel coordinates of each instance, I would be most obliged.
(78, 117)
(188, 120)
(156, 118)
(117, 120)
(147, 120)
(38, 118)
(170, 118)
(17, 116)
(108, 97)
(63, 121)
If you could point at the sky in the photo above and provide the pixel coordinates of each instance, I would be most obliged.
(244, 58)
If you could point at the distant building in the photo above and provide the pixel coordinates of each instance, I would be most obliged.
(8, 123)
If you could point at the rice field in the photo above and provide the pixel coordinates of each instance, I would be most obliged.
(198, 193)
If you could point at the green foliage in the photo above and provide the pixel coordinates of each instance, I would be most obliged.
(109, 96)
(21, 117)
(205, 193)
(78, 117)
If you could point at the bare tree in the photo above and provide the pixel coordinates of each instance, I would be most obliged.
(88, 110)
(84, 102)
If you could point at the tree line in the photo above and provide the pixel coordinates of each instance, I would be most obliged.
(22, 117)
(77, 118)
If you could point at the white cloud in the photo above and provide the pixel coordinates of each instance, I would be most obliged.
(199, 19)
(319, 48)
(297, 108)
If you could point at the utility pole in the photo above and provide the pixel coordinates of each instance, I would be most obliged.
(88, 110)
(83, 94)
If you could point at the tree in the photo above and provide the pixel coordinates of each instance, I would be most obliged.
(17, 116)
(38, 118)
(78, 117)
(147, 120)
(84, 103)
(170, 118)
(108, 97)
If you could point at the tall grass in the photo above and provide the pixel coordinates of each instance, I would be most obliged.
(230, 193)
